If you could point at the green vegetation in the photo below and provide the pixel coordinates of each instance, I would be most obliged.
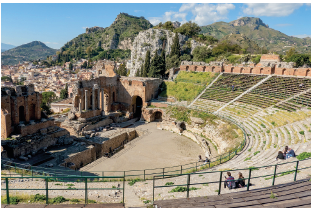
(255, 153)
(250, 149)
(272, 196)
(181, 91)
(146, 201)
(301, 132)
(182, 189)
(38, 198)
(282, 174)
(202, 78)
(74, 200)
(133, 181)
(35, 50)
(169, 183)
(90, 201)
(253, 168)
(59, 199)
(303, 155)
(70, 185)
(264, 126)
(246, 159)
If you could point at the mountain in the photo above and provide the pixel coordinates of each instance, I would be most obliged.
(261, 33)
(241, 40)
(31, 51)
(5, 47)
(119, 35)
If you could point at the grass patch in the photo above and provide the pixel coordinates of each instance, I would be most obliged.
(303, 155)
(206, 184)
(74, 200)
(70, 185)
(275, 146)
(246, 159)
(169, 183)
(203, 78)
(146, 201)
(301, 132)
(272, 196)
(91, 201)
(182, 189)
(133, 181)
(255, 153)
(282, 174)
(263, 125)
(253, 168)
(250, 149)
(58, 184)
(268, 131)
(217, 190)
(58, 200)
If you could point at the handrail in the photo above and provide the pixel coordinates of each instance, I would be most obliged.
(57, 179)
(192, 166)
(221, 172)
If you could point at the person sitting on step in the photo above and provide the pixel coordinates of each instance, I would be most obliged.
(290, 153)
(207, 160)
(229, 181)
(240, 183)
(200, 159)
(280, 156)
(285, 151)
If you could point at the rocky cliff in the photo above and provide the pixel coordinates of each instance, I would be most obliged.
(155, 39)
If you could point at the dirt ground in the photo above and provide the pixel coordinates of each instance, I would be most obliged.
(157, 149)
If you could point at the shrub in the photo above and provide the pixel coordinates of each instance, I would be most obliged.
(70, 185)
(304, 155)
(273, 123)
(272, 196)
(182, 189)
(263, 125)
(59, 199)
(250, 149)
(38, 197)
(133, 181)
(301, 132)
(91, 201)
(268, 131)
(113, 186)
(248, 158)
(74, 200)
(146, 201)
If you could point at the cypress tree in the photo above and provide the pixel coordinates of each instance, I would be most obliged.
(175, 48)
(162, 64)
(155, 65)
(142, 70)
(146, 64)
(138, 73)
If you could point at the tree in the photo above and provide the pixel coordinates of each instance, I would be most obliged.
(141, 70)
(47, 97)
(189, 29)
(172, 62)
(155, 66)
(162, 64)
(175, 48)
(122, 70)
(291, 52)
(138, 74)
(168, 25)
(64, 92)
(84, 65)
(45, 108)
(201, 53)
(88, 51)
(6, 78)
(146, 64)
(70, 66)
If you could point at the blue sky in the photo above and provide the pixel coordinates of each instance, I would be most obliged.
(55, 24)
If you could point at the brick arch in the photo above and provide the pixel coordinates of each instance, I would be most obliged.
(203, 68)
(261, 70)
(213, 69)
(187, 68)
(241, 71)
(251, 70)
(283, 71)
(308, 73)
(195, 68)
(232, 69)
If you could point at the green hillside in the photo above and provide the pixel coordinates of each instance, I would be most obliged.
(31, 51)
(119, 35)
(241, 40)
(256, 30)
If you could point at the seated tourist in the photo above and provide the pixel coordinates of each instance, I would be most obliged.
(207, 160)
(229, 181)
(200, 159)
(290, 153)
(280, 155)
(285, 151)
(301, 85)
(240, 183)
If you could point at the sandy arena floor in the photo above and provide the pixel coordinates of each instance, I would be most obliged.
(157, 149)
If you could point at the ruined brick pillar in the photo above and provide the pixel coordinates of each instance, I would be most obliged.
(80, 107)
(98, 98)
(93, 98)
(86, 100)
(102, 99)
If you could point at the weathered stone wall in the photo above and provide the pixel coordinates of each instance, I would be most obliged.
(33, 128)
(152, 114)
(82, 158)
(98, 124)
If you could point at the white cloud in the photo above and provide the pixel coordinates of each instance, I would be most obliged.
(283, 25)
(270, 9)
(203, 14)
(302, 36)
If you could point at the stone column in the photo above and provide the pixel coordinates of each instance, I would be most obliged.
(98, 98)
(80, 107)
(86, 100)
(93, 98)
(102, 101)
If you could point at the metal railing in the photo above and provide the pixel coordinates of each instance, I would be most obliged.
(220, 181)
(180, 169)
(86, 180)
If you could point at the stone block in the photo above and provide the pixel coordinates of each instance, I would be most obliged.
(43, 131)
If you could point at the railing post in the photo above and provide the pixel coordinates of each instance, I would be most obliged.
(188, 182)
(249, 175)
(86, 196)
(296, 170)
(46, 190)
(220, 183)
(124, 188)
(220, 159)
(7, 189)
(163, 173)
(181, 169)
(229, 155)
(274, 175)
(153, 189)
(144, 174)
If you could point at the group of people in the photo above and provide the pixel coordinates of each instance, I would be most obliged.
(287, 153)
(231, 183)
(201, 160)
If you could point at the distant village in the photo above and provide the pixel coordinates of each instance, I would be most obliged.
(52, 79)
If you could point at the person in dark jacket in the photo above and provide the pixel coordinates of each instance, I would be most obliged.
(280, 156)
(229, 181)
(240, 183)
(290, 153)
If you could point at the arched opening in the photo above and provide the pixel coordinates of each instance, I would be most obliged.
(213, 69)
(158, 116)
(241, 71)
(283, 71)
(187, 68)
(204, 69)
(232, 69)
(21, 113)
(195, 68)
(183, 125)
(32, 112)
(137, 106)
(113, 96)
(308, 73)
(91, 101)
(261, 70)
(251, 71)
(71, 95)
